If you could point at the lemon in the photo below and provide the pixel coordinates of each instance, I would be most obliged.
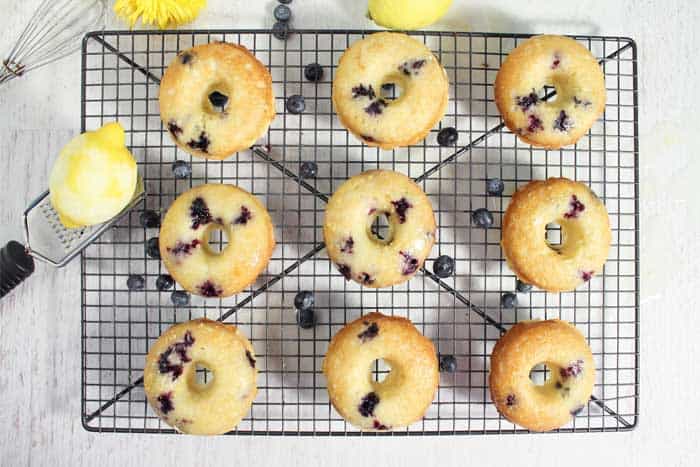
(94, 177)
(407, 14)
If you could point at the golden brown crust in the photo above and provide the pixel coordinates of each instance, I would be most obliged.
(185, 251)
(554, 61)
(388, 57)
(349, 216)
(404, 395)
(564, 350)
(186, 111)
(170, 377)
(585, 228)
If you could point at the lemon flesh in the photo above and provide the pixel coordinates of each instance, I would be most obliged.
(407, 14)
(94, 177)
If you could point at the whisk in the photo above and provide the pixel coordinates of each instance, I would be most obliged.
(54, 31)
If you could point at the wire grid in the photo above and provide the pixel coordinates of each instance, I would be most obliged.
(461, 314)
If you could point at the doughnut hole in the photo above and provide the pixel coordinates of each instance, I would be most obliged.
(564, 236)
(220, 87)
(381, 370)
(381, 229)
(391, 91)
(540, 374)
(553, 235)
(201, 378)
(217, 239)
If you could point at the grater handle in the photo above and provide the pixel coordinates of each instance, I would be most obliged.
(15, 266)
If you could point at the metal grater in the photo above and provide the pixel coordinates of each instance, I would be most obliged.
(48, 240)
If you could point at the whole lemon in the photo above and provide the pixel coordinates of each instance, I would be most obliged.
(407, 14)
(94, 177)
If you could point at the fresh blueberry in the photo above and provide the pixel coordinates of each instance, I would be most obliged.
(152, 248)
(313, 72)
(285, 1)
(180, 298)
(522, 287)
(482, 217)
(295, 104)
(135, 282)
(448, 363)
(306, 319)
(494, 186)
(509, 300)
(150, 219)
(280, 30)
(282, 13)
(308, 169)
(181, 169)
(164, 282)
(444, 266)
(448, 136)
(304, 300)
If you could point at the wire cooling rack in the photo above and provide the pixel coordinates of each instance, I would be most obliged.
(461, 314)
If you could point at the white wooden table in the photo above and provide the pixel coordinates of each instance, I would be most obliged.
(40, 322)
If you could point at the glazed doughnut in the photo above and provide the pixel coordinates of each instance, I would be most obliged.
(407, 391)
(389, 58)
(585, 234)
(170, 380)
(359, 254)
(216, 99)
(185, 232)
(564, 350)
(553, 61)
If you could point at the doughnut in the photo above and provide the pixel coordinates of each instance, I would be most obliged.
(360, 255)
(585, 234)
(185, 232)
(553, 61)
(387, 58)
(216, 99)
(170, 380)
(407, 391)
(564, 350)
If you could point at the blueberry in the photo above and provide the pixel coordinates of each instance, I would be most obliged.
(509, 300)
(308, 169)
(443, 266)
(495, 186)
(522, 287)
(152, 248)
(304, 300)
(135, 282)
(282, 13)
(448, 363)
(482, 217)
(313, 72)
(285, 1)
(281, 31)
(295, 104)
(164, 282)
(149, 219)
(181, 169)
(180, 298)
(448, 136)
(306, 319)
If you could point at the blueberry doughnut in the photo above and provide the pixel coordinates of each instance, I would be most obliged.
(170, 379)
(186, 229)
(388, 59)
(585, 234)
(216, 99)
(407, 391)
(361, 255)
(553, 61)
(564, 350)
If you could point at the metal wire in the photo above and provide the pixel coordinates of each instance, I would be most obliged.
(461, 314)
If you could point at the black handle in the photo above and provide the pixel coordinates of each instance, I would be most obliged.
(15, 266)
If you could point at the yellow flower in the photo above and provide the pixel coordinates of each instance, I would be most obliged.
(162, 13)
